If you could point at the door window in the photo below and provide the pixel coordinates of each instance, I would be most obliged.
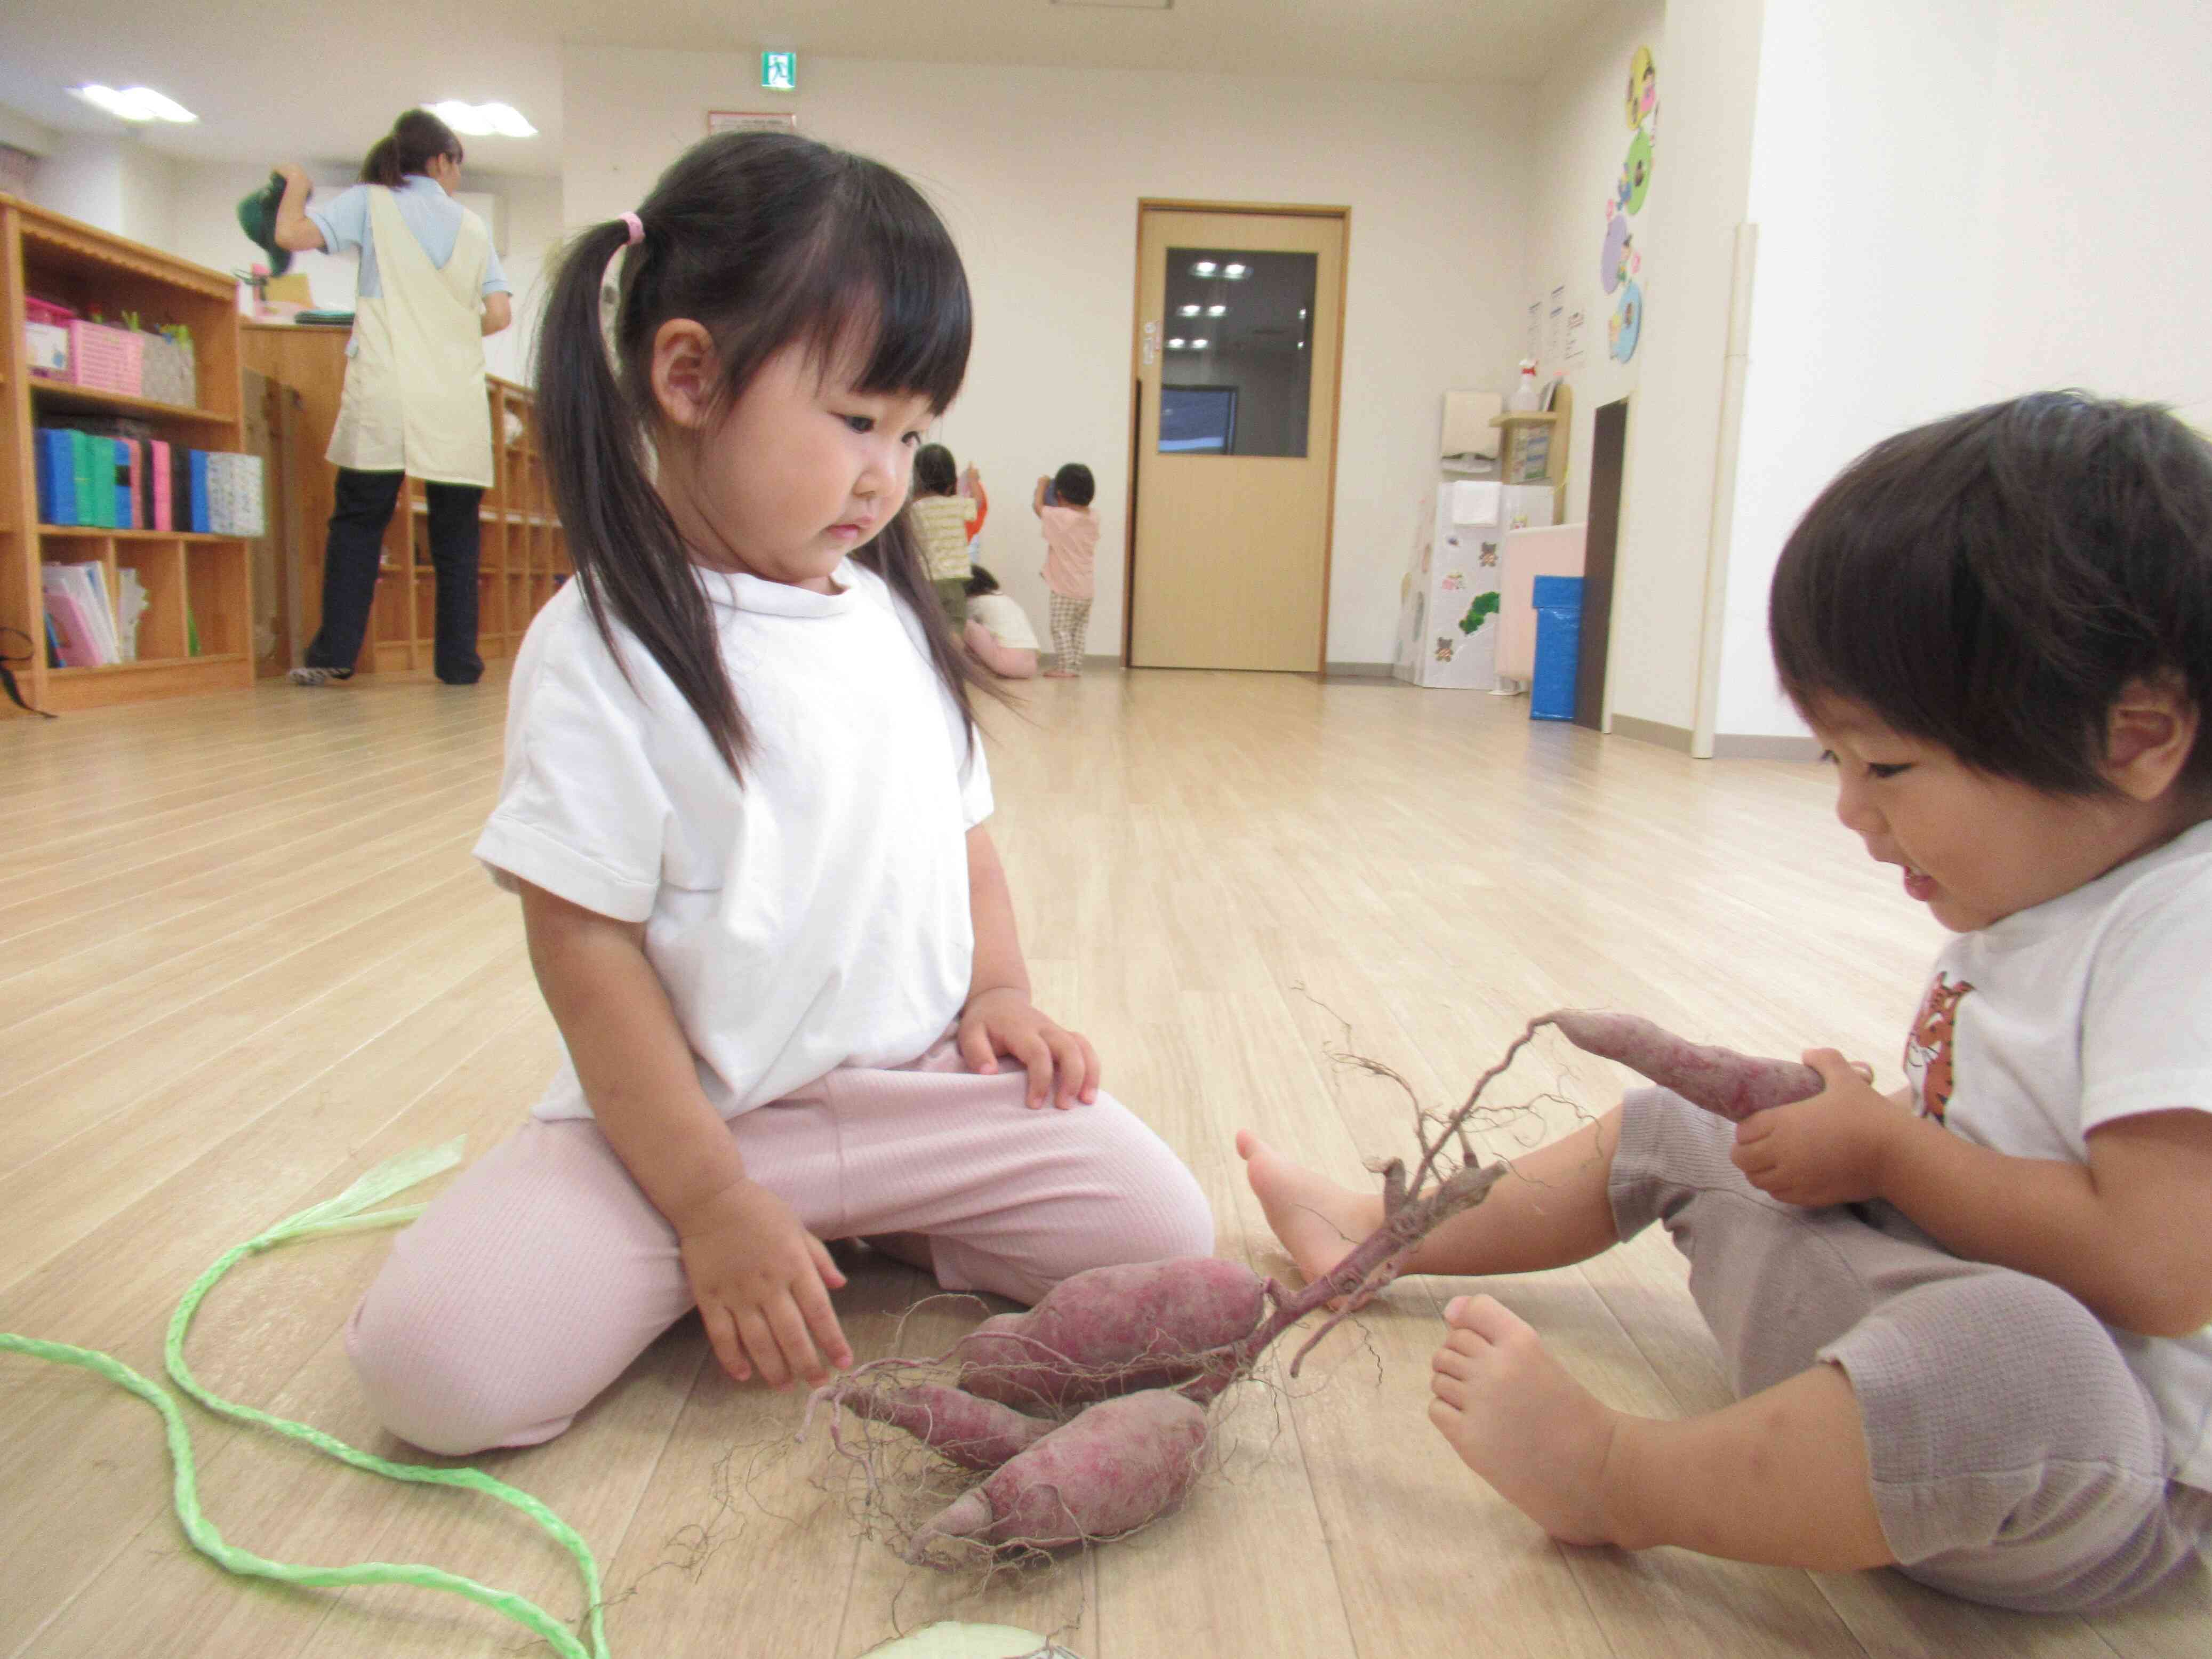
(1236, 370)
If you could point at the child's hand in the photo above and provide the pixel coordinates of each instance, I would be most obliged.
(1005, 1021)
(762, 1283)
(1831, 1149)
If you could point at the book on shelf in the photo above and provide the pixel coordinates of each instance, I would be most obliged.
(162, 492)
(86, 627)
(124, 452)
(56, 469)
(235, 492)
(131, 603)
(75, 597)
(92, 480)
(197, 469)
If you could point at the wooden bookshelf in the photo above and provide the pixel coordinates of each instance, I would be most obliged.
(523, 556)
(198, 585)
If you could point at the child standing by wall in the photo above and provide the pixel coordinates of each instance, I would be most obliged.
(1968, 1322)
(1062, 504)
(744, 806)
(946, 521)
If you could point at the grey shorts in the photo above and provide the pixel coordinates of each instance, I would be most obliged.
(2016, 1459)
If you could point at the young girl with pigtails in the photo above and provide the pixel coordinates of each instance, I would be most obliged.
(744, 805)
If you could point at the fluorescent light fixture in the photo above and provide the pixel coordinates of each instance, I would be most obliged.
(483, 120)
(1217, 311)
(1236, 273)
(1204, 268)
(1187, 310)
(134, 103)
(1200, 346)
(1175, 344)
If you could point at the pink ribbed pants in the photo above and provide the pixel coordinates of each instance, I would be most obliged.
(537, 1277)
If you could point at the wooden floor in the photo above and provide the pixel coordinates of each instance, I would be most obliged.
(244, 954)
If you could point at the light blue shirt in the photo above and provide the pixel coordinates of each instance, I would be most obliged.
(433, 216)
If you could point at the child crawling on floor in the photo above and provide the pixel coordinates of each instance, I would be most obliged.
(1966, 1324)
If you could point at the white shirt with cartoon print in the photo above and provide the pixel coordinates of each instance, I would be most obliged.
(2093, 1006)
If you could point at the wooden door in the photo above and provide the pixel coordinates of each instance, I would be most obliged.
(1240, 326)
(1608, 448)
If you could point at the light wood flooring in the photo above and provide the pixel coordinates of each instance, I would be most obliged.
(244, 954)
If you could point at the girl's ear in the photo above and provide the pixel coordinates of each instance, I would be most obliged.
(685, 372)
(2149, 733)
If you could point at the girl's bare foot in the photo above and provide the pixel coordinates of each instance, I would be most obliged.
(1317, 1221)
(1518, 1419)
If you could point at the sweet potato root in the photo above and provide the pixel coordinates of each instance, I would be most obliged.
(1112, 1331)
(1118, 1465)
(1719, 1080)
(976, 1434)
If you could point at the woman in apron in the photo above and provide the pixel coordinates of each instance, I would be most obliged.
(430, 290)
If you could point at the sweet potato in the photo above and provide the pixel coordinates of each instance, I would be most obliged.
(1107, 1472)
(1112, 1331)
(976, 1434)
(1720, 1081)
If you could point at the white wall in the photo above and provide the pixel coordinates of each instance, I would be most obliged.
(1578, 134)
(204, 228)
(114, 183)
(532, 216)
(1709, 69)
(1957, 203)
(1038, 172)
(25, 134)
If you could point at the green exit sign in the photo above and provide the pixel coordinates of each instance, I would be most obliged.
(780, 71)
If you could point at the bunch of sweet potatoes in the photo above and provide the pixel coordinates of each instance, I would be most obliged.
(1086, 1414)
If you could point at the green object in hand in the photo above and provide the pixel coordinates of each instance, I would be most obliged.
(257, 217)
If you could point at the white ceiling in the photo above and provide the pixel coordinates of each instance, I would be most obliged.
(322, 78)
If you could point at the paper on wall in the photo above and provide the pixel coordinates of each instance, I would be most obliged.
(1468, 430)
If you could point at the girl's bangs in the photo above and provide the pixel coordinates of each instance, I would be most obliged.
(898, 286)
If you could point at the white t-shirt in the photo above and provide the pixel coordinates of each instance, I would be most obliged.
(1008, 623)
(2092, 1007)
(814, 916)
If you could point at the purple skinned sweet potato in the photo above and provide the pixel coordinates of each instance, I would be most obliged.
(976, 1434)
(1719, 1080)
(1105, 1471)
(1112, 1331)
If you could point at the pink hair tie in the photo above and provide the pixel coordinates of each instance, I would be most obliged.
(636, 227)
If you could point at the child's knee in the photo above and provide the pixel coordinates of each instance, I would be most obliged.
(2015, 1459)
(443, 1393)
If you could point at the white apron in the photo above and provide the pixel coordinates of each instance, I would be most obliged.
(414, 399)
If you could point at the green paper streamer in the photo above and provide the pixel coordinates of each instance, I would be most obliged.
(348, 1212)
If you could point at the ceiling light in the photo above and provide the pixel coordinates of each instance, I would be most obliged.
(483, 120)
(1236, 273)
(135, 103)
(1204, 268)
(1199, 345)
(1187, 310)
(1302, 311)
(1175, 344)
(1217, 311)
